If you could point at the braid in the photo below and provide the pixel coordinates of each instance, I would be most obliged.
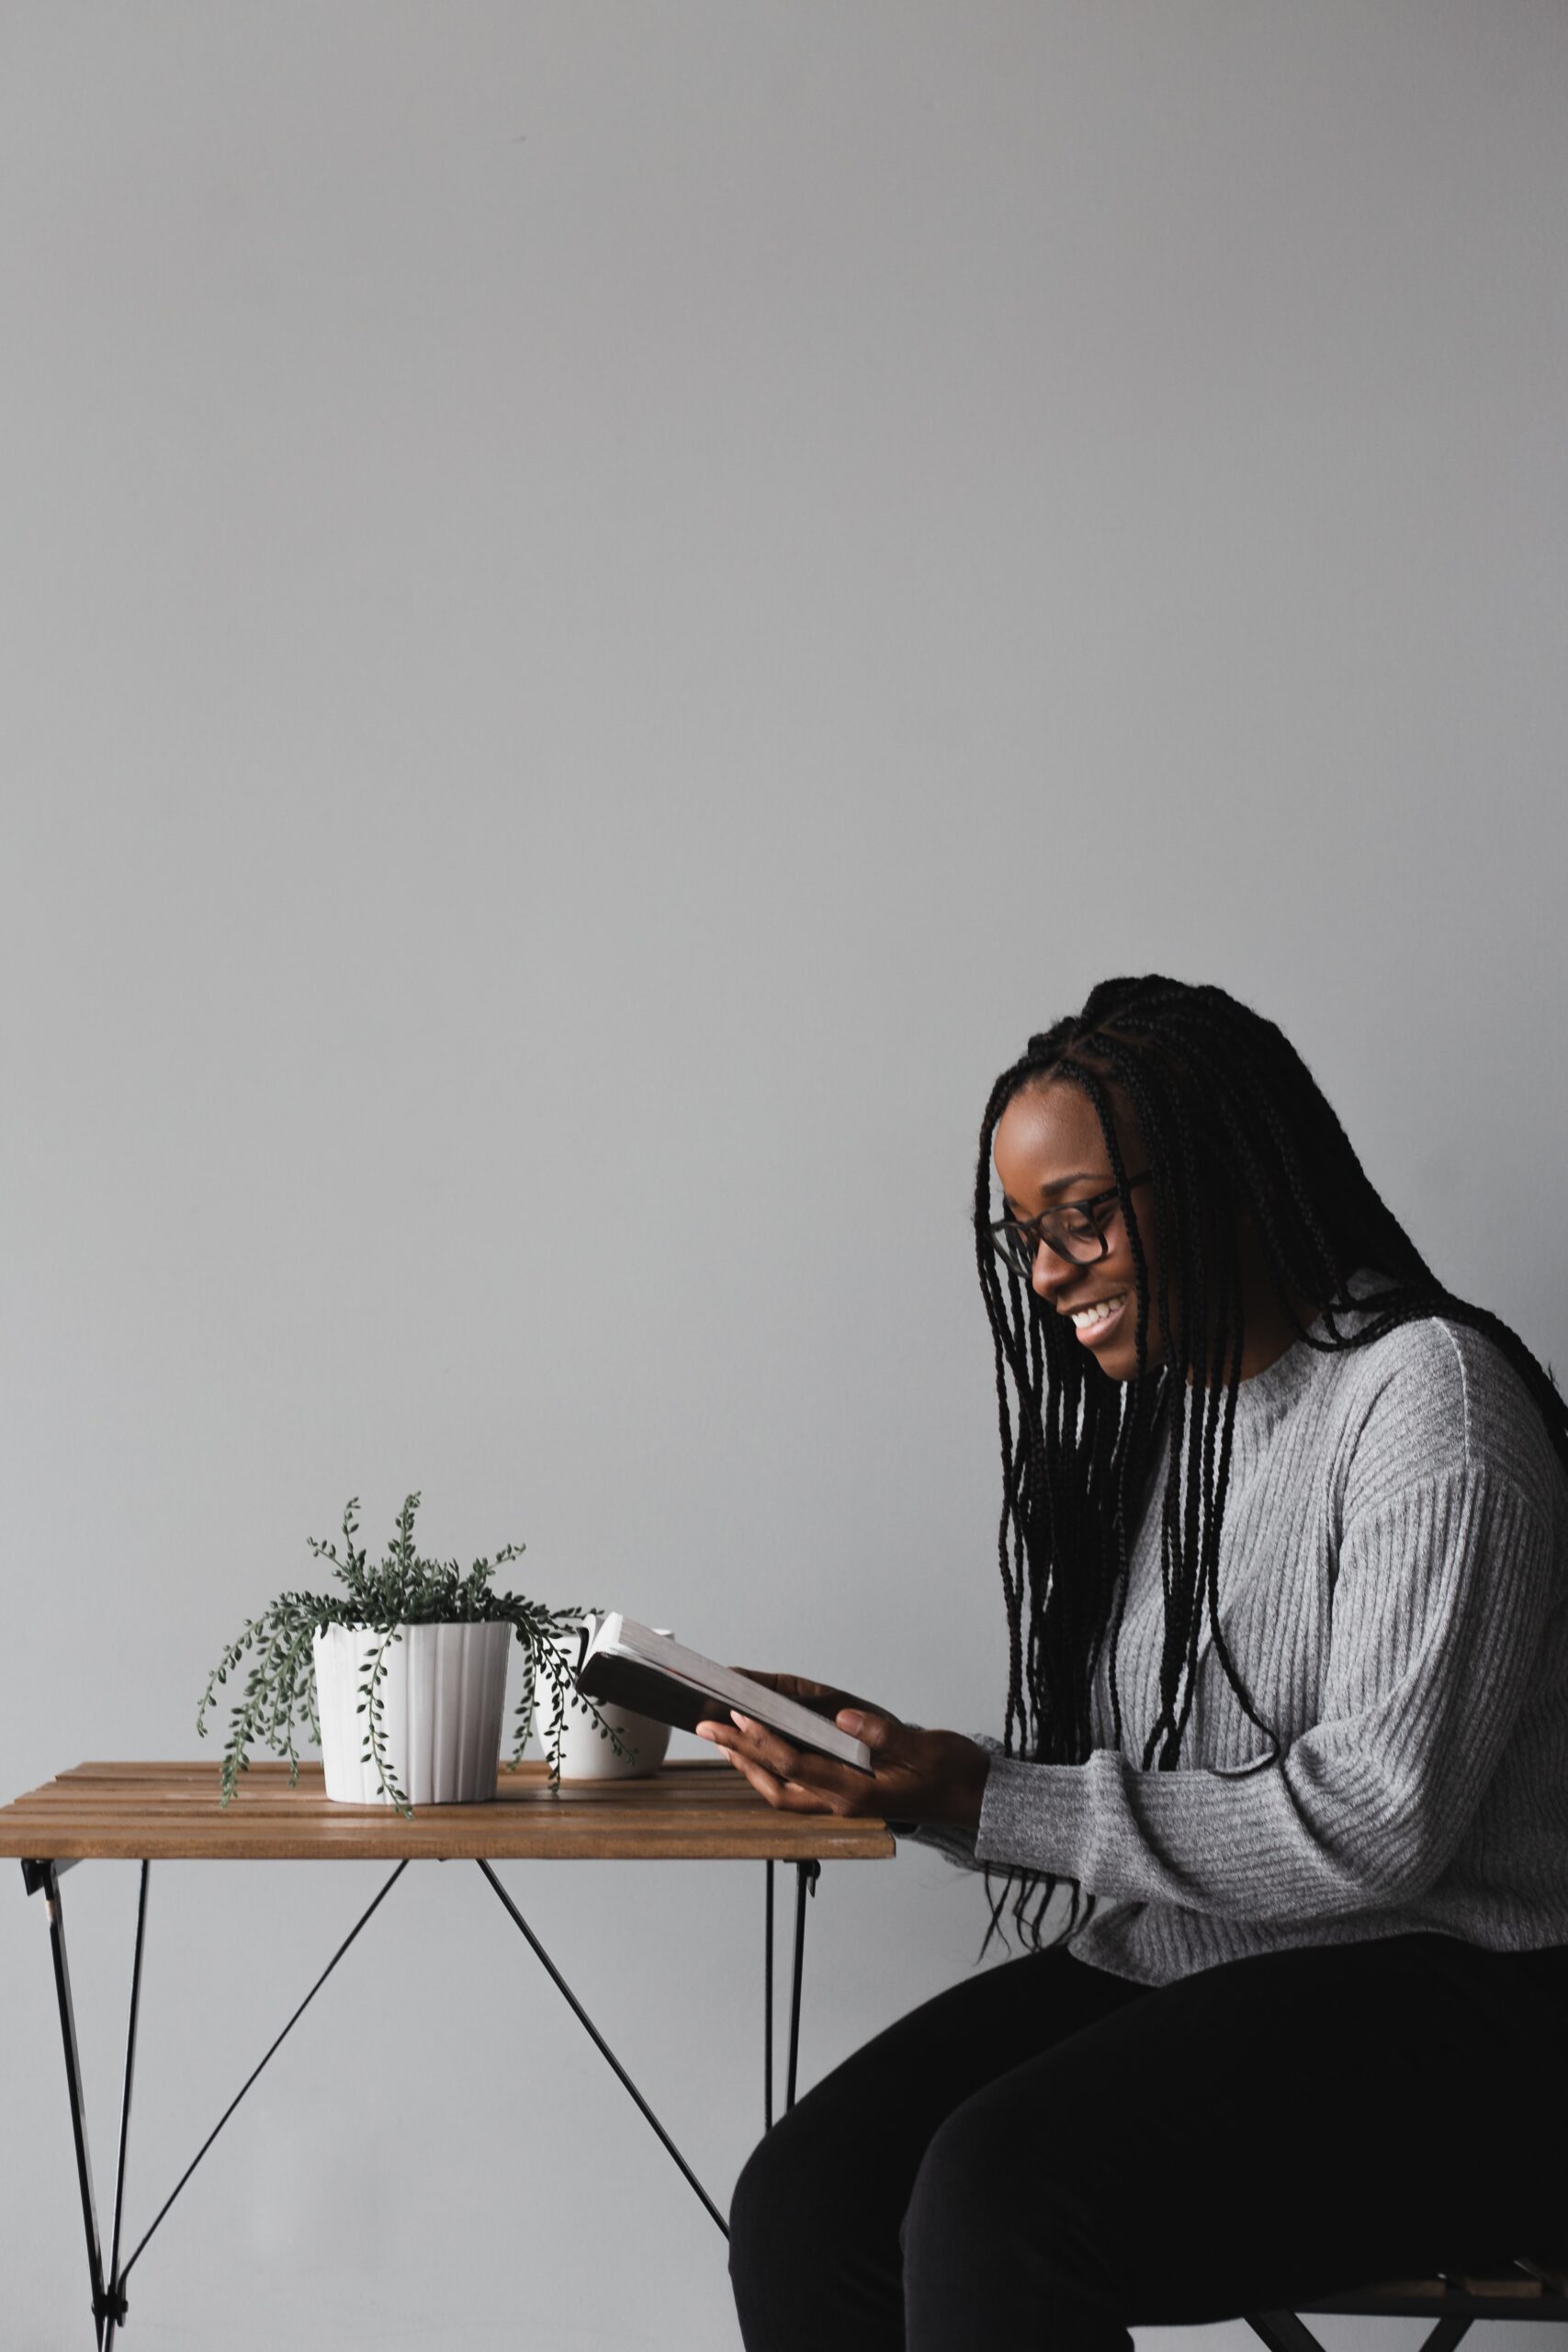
(1233, 1128)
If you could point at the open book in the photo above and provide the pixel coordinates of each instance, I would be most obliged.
(633, 1667)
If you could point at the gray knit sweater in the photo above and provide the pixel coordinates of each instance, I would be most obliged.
(1392, 1572)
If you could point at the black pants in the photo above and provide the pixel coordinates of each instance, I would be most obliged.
(1048, 2154)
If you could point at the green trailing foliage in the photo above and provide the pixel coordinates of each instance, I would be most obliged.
(279, 1695)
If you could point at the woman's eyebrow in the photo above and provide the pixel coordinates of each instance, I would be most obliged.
(1084, 1176)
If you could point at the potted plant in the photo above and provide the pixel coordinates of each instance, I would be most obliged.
(400, 1677)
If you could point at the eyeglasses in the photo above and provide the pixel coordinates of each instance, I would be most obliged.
(1079, 1231)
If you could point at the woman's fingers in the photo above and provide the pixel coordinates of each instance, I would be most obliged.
(770, 1747)
(822, 1698)
(782, 1786)
(834, 1787)
(785, 1796)
(782, 1795)
(740, 1736)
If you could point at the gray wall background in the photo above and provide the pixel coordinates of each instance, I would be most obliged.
(603, 606)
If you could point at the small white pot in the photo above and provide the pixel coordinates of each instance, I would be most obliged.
(442, 1698)
(584, 1756)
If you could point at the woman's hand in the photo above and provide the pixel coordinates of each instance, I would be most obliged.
(915, 1775)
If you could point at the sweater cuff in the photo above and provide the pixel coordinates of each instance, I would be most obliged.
(1037, 1814)
(943, 1838)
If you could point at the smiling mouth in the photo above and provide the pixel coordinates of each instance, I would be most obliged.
(1089, 1322)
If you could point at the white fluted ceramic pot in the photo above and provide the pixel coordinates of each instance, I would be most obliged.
(442, 1698)
(585, 1756)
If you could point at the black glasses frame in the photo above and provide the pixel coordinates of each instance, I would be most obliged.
(1016, 1240)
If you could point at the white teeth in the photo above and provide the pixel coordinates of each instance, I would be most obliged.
(1087, 1316)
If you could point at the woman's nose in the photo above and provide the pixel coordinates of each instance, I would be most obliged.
(1049, 1272)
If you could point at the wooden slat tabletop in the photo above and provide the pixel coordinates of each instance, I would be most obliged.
(688, 1811)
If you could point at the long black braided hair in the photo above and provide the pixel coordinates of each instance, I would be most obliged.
(1233, 1125)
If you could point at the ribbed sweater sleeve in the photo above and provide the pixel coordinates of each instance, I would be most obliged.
(1441, 1595)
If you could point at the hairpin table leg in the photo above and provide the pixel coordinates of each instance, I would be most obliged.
(48, 1881)
(805, 1877)
(1283, 2331)
(599, 2041)
(768, 2004)
(109, 2301)
(115, 2298)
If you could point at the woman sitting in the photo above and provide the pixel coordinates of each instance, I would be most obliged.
(1280, 1806)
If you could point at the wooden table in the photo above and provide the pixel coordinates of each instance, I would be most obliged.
(700, 1810)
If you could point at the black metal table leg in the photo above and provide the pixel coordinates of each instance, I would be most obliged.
(1287, 2331)
(768, 2004)
(805, 1877)
(363, 1918)
(1444, 2334)
(109, 2306)
(108, 2297)
(599, 2041)
(1283, 2331)
(47, 1880)
(114, 2311)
